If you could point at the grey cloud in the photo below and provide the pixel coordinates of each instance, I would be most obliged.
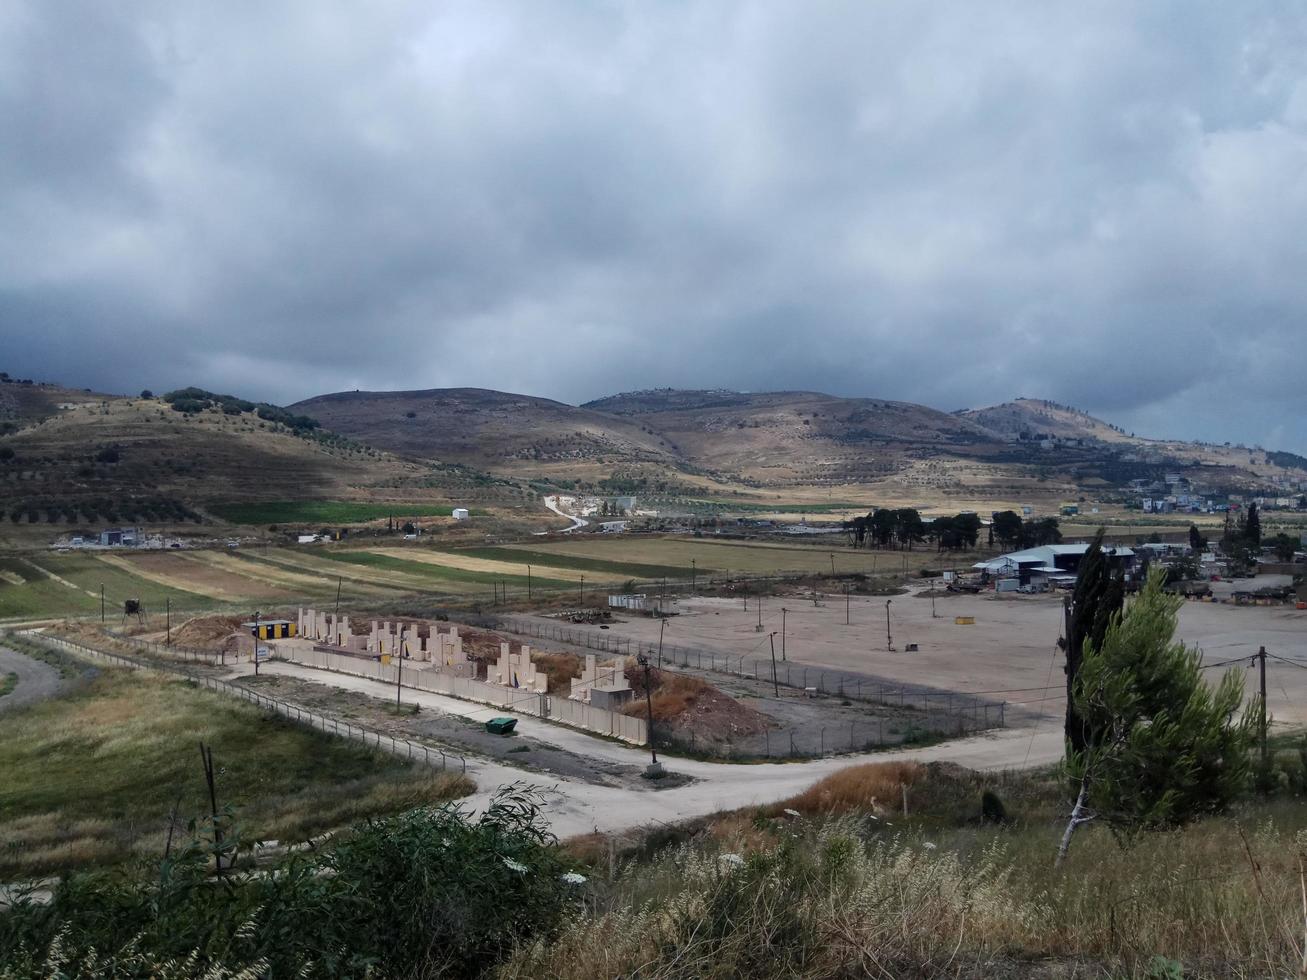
(952, 204)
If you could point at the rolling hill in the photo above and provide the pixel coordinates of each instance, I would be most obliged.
(1031, 418)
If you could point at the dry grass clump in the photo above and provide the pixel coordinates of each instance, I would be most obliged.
(868, 786)
(686, 705)
(558, 668)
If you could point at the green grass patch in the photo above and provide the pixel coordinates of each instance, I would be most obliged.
(440, 573)
(7, 683)
(92, 778)
(322, 511)
(88, 573)
(635, 570)
(38, 595)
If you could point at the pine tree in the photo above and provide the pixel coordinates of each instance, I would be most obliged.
(1166, 748)
(1098, 596)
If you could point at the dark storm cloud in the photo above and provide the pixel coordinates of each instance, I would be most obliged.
(954, 204)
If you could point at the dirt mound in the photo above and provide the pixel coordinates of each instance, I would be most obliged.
(206, 632)
(690, 706)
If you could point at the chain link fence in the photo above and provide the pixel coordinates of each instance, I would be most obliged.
(434, 757)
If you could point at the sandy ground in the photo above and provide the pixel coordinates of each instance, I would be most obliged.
(36, 680)
(1008, 653)
(577, 807)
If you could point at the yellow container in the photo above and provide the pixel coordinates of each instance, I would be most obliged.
(964, 620)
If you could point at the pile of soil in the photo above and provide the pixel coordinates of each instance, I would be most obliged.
(686, 706)
(206, 632)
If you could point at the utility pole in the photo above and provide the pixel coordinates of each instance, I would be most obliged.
(256, 643)
(693, 576)
(335, 616)
(889, 640)
(759, 605)
(101, 603)
(528, 583)
(832, 564)
(1261, 662)
(783, 612)
(932, 602)
(168, 606)
(662, 625)
(846, 604)
(583, 590)
(399, 672)
(654, 770)
(776, 686)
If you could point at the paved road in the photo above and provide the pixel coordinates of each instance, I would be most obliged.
(551, 503)
(36, 680)
(577, 807)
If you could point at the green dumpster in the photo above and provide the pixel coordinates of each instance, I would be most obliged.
(501, 726)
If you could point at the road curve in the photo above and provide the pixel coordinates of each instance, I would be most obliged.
(551, 503)
(36, 680)
(577, 807)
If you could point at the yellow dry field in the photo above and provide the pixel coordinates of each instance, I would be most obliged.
(469, 563)
(266, 575)
(331, 570)
(754, 557)
(162, 578)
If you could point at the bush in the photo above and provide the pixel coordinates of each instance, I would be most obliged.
(6, 454)
(432, 892)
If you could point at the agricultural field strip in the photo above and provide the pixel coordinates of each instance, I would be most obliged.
(267, 575)
(46, 573)
(166, 580)
(750, 557)
(351, 585)
(444, 573)
(323, 511)
(621, 570)
(473, 563)
(331, 570)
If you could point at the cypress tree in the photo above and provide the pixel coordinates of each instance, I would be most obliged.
(1099, 595)
(1252, 529)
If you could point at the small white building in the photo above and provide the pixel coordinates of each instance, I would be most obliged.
(459, 513)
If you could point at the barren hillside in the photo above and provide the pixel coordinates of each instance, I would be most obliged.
(1032, 418)
(493, 430)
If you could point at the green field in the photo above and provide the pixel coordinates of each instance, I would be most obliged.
(88, 573)
(39, 595)
(554, 559)
(322, 512)
(92, 777)
(441, 573)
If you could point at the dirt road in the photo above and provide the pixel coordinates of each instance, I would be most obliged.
(36, 680)
(577, 806)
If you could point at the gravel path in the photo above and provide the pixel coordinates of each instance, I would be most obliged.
(36, 680)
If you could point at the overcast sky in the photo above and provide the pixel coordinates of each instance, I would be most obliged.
(1104, 204)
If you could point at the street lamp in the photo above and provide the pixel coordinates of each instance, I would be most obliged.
(654, 770)
(889, 640)
(783, 612)
(693, 576)
(528, 583)
(256, 643)
(662, 625)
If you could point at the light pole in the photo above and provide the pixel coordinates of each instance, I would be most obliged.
(693, 576)
(654, 770)
(776, 685)
(168, 606)
(662, 625)
(832, 564)
(846, 604)
(101, 603)
(256, 643)
(932, 602)
(889, 640)
(783, 612)
(528, 583)
(759, 605)
(583, 590)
